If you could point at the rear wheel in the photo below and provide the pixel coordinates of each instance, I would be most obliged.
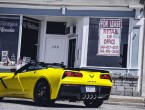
(93, 104)
(1, 98)
(42, 94)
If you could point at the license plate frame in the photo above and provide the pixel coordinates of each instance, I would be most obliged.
(90, 89)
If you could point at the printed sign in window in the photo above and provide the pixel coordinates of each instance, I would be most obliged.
(4, 56)
(109, 37)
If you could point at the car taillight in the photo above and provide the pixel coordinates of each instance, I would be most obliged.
(105, 76)
(72, 74)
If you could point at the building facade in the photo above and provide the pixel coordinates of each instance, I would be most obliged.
(98, 34)
(143, 67)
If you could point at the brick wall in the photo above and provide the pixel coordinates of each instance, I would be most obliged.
(125, 85)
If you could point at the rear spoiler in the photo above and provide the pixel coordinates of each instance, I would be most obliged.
(86, 69)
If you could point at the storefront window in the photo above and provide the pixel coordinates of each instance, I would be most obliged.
(108, 42)
(29, 44)
(9, 34)
(56, 28)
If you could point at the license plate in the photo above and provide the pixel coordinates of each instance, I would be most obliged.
(90, 89)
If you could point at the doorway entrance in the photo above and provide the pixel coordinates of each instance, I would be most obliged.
(71, 54)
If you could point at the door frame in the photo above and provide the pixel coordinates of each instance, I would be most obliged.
(70, 38)
(54, 36)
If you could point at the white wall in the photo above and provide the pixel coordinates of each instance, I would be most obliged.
(139, 23)
(143, 67)
(41, 44)
(82, 32)
(71, 21)
(82, 25)
(77, 2)
(42, 37)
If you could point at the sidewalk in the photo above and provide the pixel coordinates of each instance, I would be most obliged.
(113, 100)
(126, 100)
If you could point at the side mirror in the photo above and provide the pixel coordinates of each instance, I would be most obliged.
(13, 70)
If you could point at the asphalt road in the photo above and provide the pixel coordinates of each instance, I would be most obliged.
(21, 104)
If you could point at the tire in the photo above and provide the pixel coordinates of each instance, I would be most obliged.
(93, 104)
(1, 98)
(42, 94)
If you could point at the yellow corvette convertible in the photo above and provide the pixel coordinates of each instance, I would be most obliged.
(46, 83)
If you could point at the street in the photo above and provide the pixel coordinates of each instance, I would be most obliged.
(21, 104)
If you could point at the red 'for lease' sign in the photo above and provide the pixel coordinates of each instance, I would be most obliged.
(109, 37)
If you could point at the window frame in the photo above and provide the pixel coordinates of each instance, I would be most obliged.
(85, 41)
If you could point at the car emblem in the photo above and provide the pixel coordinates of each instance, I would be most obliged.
(91, 75)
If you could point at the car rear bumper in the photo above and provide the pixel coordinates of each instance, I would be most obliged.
(78, 92)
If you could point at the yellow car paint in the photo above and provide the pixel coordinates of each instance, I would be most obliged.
(23, 84)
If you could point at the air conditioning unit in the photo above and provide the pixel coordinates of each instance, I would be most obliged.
(70, 30)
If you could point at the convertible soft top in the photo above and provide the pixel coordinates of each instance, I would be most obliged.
(61, 65)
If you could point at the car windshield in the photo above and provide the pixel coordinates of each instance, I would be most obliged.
(38, 65)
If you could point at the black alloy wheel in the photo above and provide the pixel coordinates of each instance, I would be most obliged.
(42, 94)
(1, 98)
(93, 103)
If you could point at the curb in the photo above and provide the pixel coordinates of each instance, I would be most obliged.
(126, 100)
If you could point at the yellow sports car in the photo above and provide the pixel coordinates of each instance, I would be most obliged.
(45, 83)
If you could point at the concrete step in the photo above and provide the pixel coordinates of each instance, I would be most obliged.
(126, 100)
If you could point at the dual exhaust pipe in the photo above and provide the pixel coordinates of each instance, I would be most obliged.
(89, 96)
